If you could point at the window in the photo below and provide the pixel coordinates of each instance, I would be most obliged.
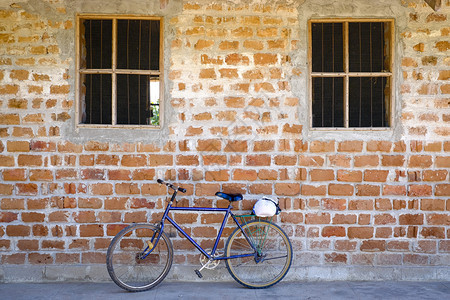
(119, 71)
(351, 67)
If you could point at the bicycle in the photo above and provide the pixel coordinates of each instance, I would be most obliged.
(257, 254)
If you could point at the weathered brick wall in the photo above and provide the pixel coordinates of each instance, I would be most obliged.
(237, 94)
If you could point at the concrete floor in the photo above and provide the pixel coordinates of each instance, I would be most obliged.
(230, 290)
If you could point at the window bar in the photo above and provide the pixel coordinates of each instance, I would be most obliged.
(371, 81)
(332, 97)
(347, 78)
(383, 123)
(114, 75)
(139, 77)
(322, 92)
(128, 65)
(360, 78)
(90, 76)
(101, 76)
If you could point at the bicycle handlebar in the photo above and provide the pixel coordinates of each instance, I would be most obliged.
(173, 187)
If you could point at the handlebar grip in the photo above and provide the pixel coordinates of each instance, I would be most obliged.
(160, 181)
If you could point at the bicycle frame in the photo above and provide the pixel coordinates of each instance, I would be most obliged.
(210, 256)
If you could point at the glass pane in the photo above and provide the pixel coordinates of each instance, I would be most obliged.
(97, 44)
(369, 102)
(327, 47)
(328, 102)
(368, 51)
(96, 99)
(138, 44)
(137, 100)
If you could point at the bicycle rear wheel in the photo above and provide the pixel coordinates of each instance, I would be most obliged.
(134, 263)
(269, 264)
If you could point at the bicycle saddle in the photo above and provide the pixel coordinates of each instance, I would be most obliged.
(229, 197)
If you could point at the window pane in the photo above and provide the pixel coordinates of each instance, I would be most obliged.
(96, 91)
(369, 102)
(367, 48)
(327, 47)
(138, 44)
(137, 100)
(98, 44)
(328, 102)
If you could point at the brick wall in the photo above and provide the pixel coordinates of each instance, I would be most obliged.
(237, 97)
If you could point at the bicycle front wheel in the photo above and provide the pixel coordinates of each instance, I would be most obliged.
(133, 260)
(268, 264)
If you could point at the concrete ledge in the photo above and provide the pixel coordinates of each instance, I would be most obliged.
(98, 273)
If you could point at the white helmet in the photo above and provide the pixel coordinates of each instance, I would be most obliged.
(266, 207)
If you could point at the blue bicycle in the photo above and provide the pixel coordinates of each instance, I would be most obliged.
(258, 253)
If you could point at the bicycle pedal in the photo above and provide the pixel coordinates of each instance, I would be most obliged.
(198, 274)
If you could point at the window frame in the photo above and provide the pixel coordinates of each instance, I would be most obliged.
(346, 74)
(114, 71)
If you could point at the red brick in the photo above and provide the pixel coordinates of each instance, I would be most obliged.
(28, 245)
(411, 219)
(367, 190)
(139, 160)
(285, 160)
(376, 175)
(244, 174)
(321, 175)
(12, 204)
(40, 258)
(311, 161)
(379, 146)
(160, 160)
(93, 174)
(349, 176)
(420, 161)
(392, 160)
(261, 188)
(18, 230)
(317, 218)
(41, 175)
(419, 190)
(142, 174)
(287, 189)
(384, 219)
(366, 161)
(442, 190)
(438, 219)
(7, 217)
(258, 160)
(29, 160)
(101, 189)
(361, 205)
(311, 190)
(435, 175)
(360, 232)
(320, 146)
(221, 175)
(91, 230)
(443, 161)
(33, 217)
(214, 160)
(329, 231)
(373, 245)
(187, 160)
(350, 146)
(433, 232)
(334, 204)
(340, 189)
(27, 189)
(209, 145)
(394, 190)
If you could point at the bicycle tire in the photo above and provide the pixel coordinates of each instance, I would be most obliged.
(129, 266)
(275, 254)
